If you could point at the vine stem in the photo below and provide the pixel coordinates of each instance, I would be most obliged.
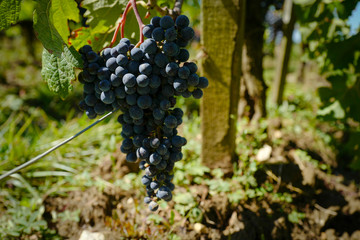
(139, 20)
(121, 26)
(121, 23)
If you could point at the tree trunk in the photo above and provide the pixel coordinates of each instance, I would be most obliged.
(222, 39)
(284, 53)
(254, 93)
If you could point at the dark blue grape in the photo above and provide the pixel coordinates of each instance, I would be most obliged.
(164, 193)
(122, 60)
(155, 81)
(155, 158)
(139, 129)
(168, 91)
(183, 72)
(142, 80)
(144, 102)
(130, 90)
(145, 68)
(177, 141)
(186, 94)
(106, 53)
(187, 33)
(191, 66)
(88, 77)
(129, 80)
(120, 92)
(181, 42)
(203, 82)
(147, 30)
(91, 100)
(155, 21)
(133, 67)
(151, 171)
(127, 143)
(131, 157)
(108, 97)
(165, 104)
(153, 206)
(93, 68)
(103, 73)
(115, 80)
(170, 121)
(131, 99)
(149, 58)
(87, 48)
(136, 54)
(171, 49)
(145, 180)
(197, 93)
(143, 90)
(180, 85)
(126, 41)
(162, 149)
(147, 200)
(172, 69)
(90, 112)
(137, 141)
(114, 52)
(161, 60)
(122, 48)
(154, 184)
(170, 34)
(120, 71)
(128, 129)
(92, 57)
(158, 113)
(154, 142)
(193, 80)
(183, 55)
(166, 22)
(136, 112)
(100, 108)
(182, 21)
(111, 64)
(149, 46)
(158, 34)
(104, 85)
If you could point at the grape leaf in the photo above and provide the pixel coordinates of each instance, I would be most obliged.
(45, 30)
(96, 37)
(9, 12)
(107, 10)
(58, 72)
(61, 12)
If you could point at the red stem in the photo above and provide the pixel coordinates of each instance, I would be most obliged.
(121, 23)
(138, 18)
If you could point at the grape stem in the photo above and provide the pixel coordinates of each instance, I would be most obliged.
(176, 11)
(121, 26)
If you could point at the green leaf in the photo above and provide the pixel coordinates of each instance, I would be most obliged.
(9, 12)
(107, 10)
(96, 37)
(61, 12)
(58, 72)
(45, 30)
(72, 56)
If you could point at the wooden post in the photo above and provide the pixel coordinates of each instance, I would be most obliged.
(284, 52)
(222, 23)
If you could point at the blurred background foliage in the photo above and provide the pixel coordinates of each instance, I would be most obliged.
(320, 108)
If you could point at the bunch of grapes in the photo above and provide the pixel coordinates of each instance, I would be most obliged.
(144, 83)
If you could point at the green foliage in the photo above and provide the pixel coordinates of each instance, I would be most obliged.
(61, 11)
(45, 29)
(296, 217)
(58, 72)
(9, 12)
